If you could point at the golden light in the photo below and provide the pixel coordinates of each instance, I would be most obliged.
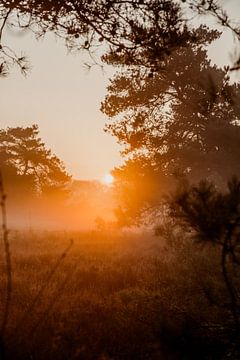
(108, 179)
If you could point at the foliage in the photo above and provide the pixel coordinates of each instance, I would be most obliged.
(128, 27)
(210, 212)
(170, 118)
(179, 121)
(25, 161)
(213, 216)
(141, 32)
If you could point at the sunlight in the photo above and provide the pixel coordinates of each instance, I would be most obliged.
(108, 179)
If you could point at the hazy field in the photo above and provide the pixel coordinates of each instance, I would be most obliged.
(120, 296)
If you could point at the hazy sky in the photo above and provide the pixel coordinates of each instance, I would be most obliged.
(63, 99)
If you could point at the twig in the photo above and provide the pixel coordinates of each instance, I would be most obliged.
(4, 23)
(7, 257)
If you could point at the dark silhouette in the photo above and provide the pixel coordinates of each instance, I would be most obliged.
(143, 32)
(27, 163)
(182, 120)
(8, 269)
(213, 217)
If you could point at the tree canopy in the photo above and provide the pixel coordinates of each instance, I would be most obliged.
(141, 32)
(25, 161)
(127, 27)
(183, 119)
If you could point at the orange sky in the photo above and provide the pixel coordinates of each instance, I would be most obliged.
(63, 99)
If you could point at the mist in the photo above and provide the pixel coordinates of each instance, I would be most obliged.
(86, 202)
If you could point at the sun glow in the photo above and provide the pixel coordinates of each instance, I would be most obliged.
(108, 179)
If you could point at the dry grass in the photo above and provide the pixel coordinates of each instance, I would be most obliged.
(111, 297)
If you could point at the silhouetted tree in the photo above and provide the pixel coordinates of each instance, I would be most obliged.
(25, 162)
(213, 217)
(140, 31)
(128, 27)
(182, 119)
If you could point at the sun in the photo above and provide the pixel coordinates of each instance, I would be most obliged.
(108, 179)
